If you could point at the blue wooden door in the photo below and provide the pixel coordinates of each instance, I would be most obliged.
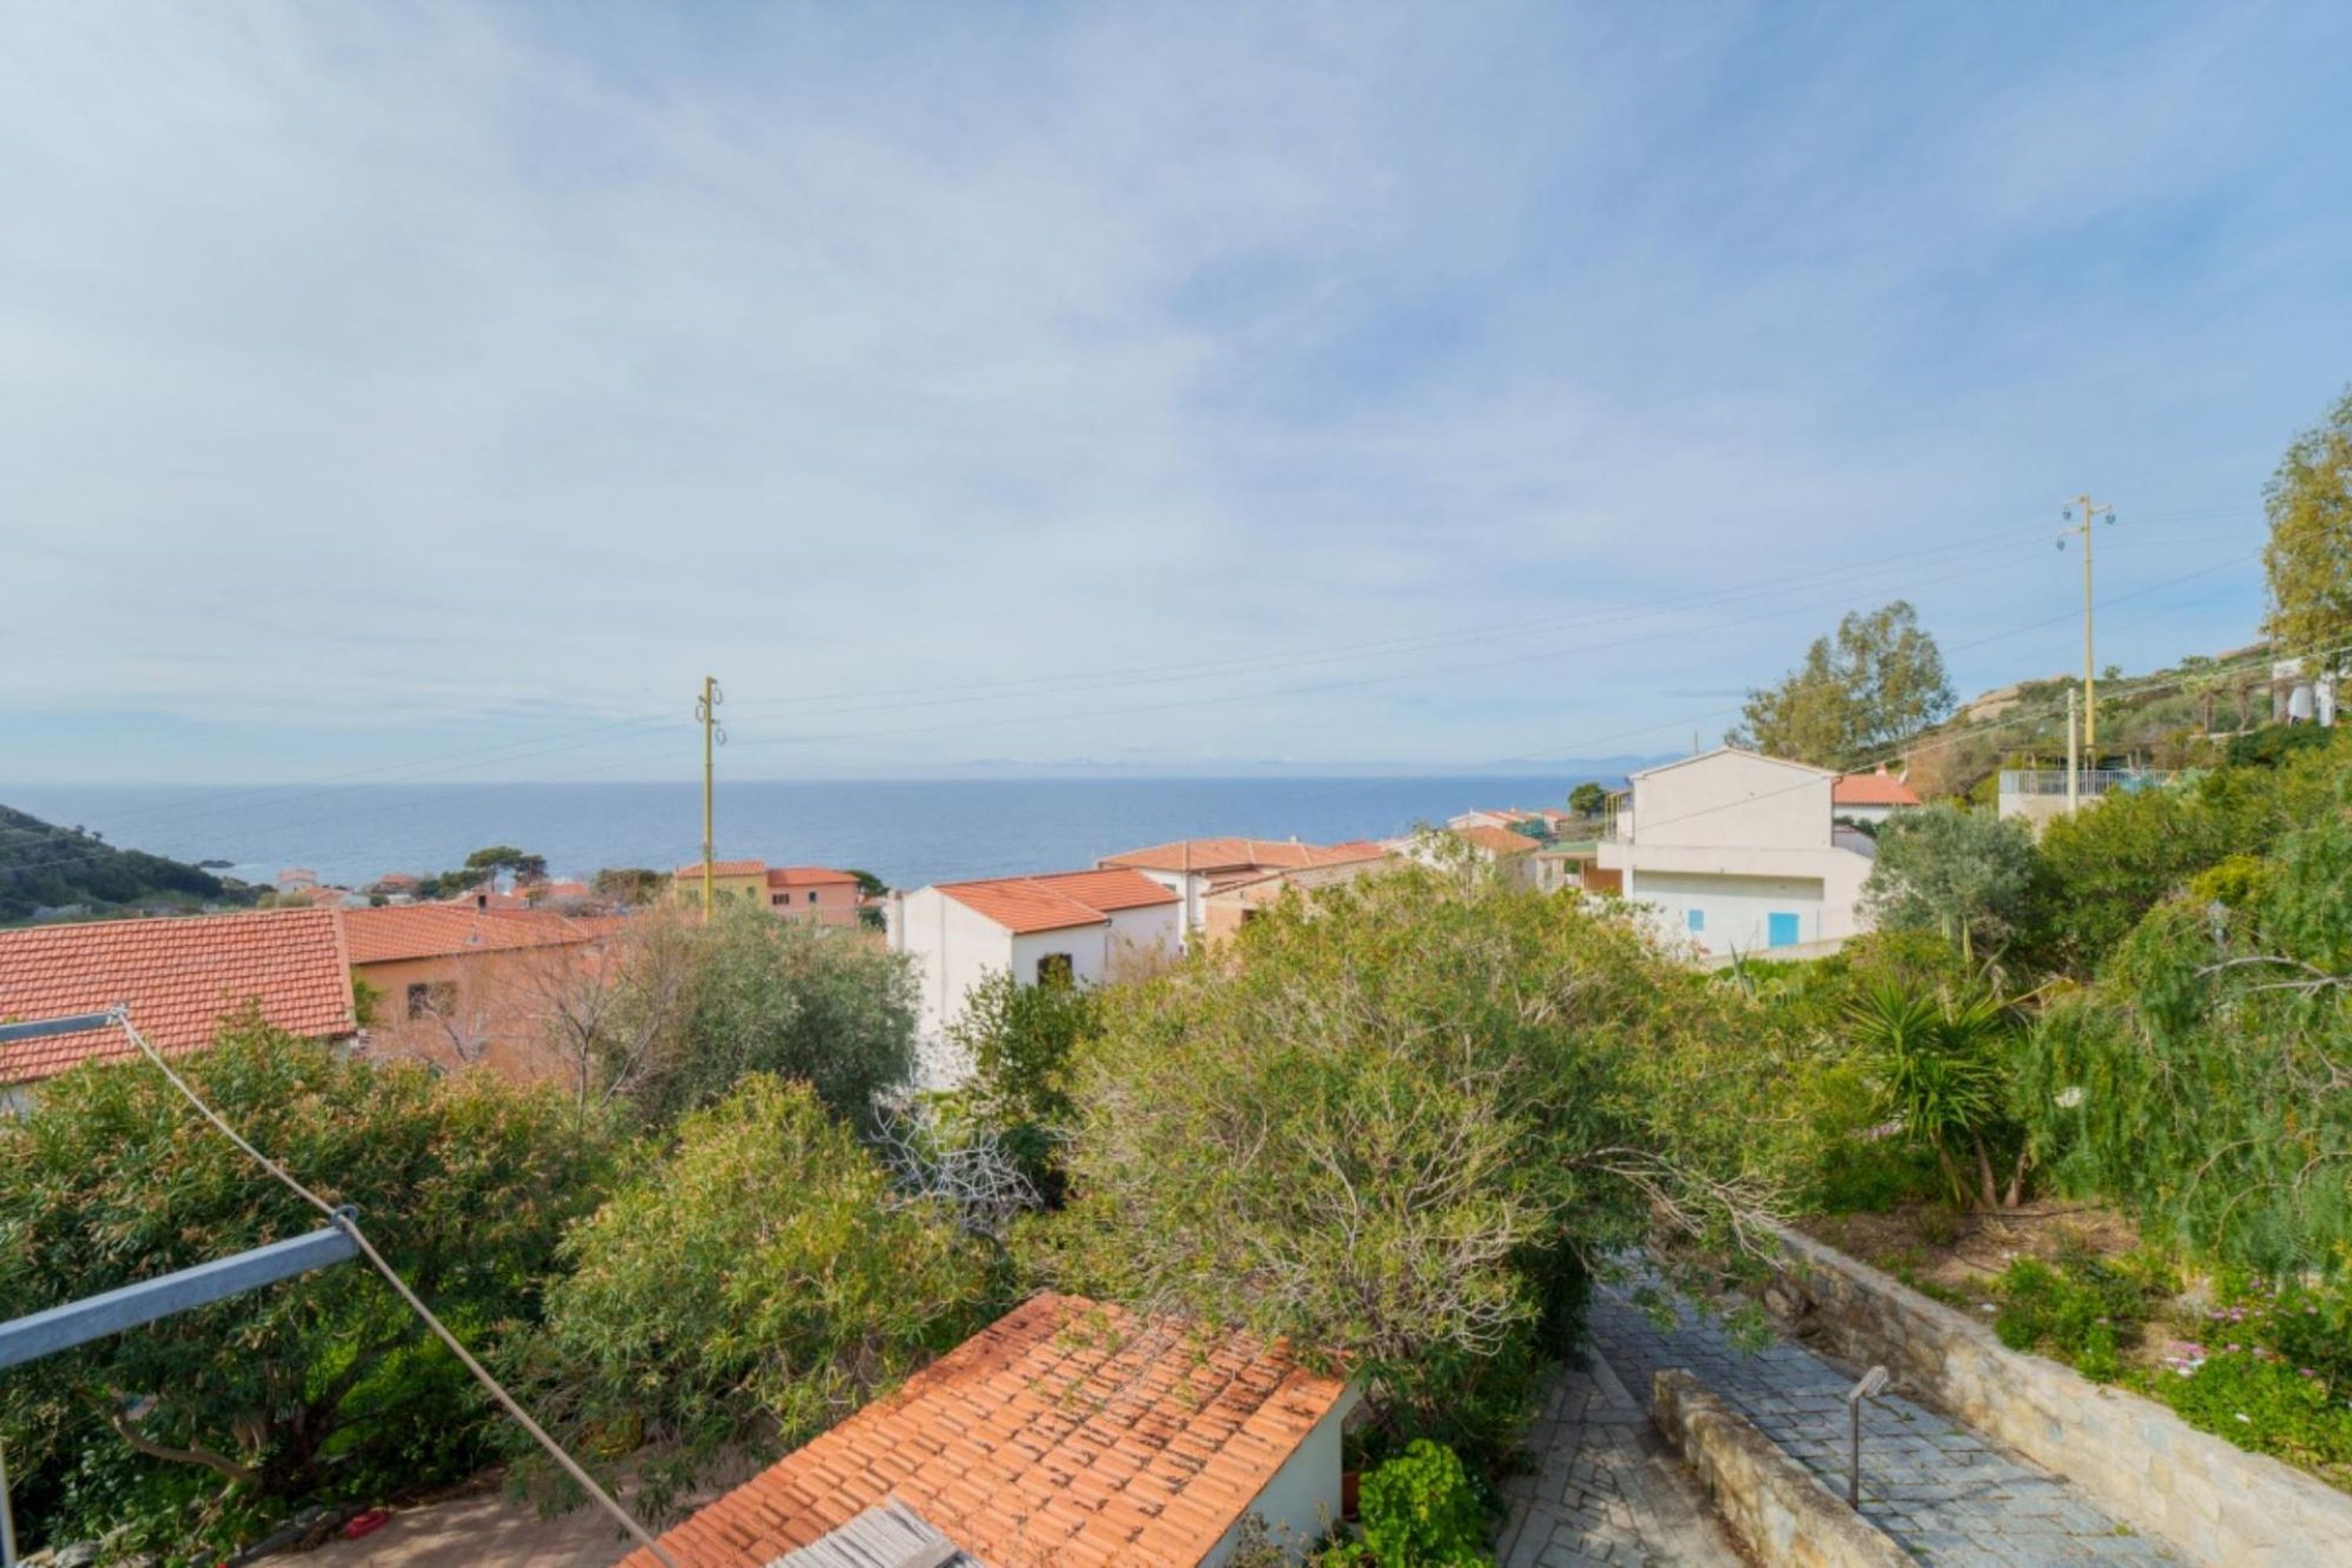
(1781, 930)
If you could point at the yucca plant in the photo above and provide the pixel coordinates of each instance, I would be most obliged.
(1940, 1060)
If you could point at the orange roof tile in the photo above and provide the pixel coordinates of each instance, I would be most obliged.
(1065, 1432)
(807, 877)
(1213, 855)
(1057, 900)
(179, 978)
(1871, 789)
(433, 930)
(1497, 840)
(724, 868)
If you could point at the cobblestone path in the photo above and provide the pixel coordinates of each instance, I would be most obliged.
(1946, 1495)
(1606, 1491)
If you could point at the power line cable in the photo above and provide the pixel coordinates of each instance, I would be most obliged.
(344, 1221)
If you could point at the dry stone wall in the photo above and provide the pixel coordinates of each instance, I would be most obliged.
(2216, 1504)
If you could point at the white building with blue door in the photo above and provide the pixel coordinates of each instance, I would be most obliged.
(1735, 852)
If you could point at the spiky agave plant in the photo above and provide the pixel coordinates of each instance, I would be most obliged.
(1941, 1059)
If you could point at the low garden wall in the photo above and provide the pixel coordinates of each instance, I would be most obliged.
(2218, 1504)
(1777, 1507)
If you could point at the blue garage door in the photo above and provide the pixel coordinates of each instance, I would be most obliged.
(1781, 930)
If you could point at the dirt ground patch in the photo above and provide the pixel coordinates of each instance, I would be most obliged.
(1930, 1247)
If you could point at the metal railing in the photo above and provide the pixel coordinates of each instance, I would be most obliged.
(2088, 782)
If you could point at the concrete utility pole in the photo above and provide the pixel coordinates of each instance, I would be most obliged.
(2074, 760)
(706, 709)
(2090, 514)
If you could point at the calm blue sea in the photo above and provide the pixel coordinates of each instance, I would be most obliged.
(907, 832)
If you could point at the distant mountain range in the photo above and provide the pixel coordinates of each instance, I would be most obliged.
(44, 868)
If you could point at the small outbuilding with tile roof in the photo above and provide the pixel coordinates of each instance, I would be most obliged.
(1067, 1433)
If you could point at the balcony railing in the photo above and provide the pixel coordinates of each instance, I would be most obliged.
(2088, 782)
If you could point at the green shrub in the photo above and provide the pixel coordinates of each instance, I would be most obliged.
(1388, 1122)
(753, 1285)
(1861, 1165)
(2083, 1311)
(1419, 1511)
(325, 1389)
(2270, 1370)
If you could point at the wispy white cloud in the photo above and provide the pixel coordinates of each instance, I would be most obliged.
(375, 377)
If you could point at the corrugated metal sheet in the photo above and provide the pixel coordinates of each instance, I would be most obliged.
(888, 1535)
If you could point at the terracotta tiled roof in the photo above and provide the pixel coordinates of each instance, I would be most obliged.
(807, 877)
(178, 977)
(1497, 840)
(1065, 1433)
(724, 868)
(433, 930)
(1210, 855)
(1871, 789)
(1059, 900)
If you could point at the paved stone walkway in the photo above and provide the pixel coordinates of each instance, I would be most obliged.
(1606, 1491)
(1946, 1495)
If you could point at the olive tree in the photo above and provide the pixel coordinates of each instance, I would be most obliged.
(1964, 874)
(673, 1012)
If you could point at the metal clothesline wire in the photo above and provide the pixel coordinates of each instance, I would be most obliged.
(344, 1221)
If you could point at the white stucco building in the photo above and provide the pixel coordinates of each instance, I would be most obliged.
(1071, 925)
(1735, 852)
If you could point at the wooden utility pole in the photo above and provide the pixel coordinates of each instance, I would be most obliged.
(706, 709)
(2089, 515)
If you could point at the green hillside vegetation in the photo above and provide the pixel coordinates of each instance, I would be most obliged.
(2184, 715)
(43, 866)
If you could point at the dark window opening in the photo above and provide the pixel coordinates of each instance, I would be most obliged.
(1055, 969)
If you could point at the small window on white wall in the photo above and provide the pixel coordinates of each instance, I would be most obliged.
(1055, 969)
(1696, 918)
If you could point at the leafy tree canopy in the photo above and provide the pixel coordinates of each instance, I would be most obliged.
(751, 993)
(323, 1382)
(1946, 868)
(1023, 1043)
(749, 1287)
(1397, 1120)
(2309, 557)
(1588, 799)
(1877, 680)
(2206, 1080)
(524, 865)
(628, 884)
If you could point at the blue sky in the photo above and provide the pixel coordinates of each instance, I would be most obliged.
(439, 391)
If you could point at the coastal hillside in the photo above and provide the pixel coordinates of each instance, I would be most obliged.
(2179, 716)
(46, 867)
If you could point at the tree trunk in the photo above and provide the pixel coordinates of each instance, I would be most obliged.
(1990, 1192)
(2017, 1178)
(244, 1475)
(1952, 1177)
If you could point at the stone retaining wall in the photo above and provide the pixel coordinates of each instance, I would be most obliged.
(1777, 1507)
(2218, 1504)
